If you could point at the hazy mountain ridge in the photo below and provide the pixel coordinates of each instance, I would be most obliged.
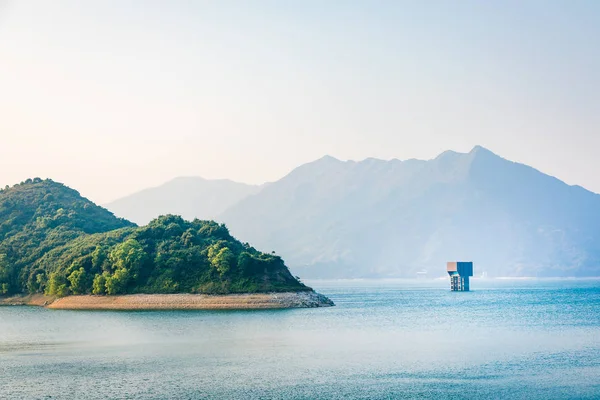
(332, 218)
(190, 197)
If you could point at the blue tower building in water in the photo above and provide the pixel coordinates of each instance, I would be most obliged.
(459, 272)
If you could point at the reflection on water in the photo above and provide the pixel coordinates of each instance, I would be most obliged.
(384, 339)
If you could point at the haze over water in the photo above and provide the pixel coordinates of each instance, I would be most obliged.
(384, 339)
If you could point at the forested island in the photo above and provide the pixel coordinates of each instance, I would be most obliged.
(57, 243)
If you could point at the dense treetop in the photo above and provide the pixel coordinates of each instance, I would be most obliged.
(54, 241)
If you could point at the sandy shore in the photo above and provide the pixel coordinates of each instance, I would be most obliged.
(193, 301)
(29, 300)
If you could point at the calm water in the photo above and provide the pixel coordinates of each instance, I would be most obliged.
(505, 339)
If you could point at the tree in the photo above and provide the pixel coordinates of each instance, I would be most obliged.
(221, 259)
(5, 274)
(117, 282)
(37, 281)
(188, 238)
(214, 230)
(57, 285)
(99, 284)
(247, 263)
(173, 229)
(128, 255)
(99, 255)
(78, 280)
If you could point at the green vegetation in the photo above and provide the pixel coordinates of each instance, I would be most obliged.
(54, 241)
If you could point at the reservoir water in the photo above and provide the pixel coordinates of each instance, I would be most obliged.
(529, 339)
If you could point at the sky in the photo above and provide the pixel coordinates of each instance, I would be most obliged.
(110, 97)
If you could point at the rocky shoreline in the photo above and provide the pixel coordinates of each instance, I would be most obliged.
(177, 301)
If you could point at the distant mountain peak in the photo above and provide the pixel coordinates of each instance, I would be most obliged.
(373, 160)
(447, 154)
(482, 150)
(475, 151)
(328, 158)
(189, 196)
(323, 162)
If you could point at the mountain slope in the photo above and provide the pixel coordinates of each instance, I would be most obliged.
(379, 218)
(190, 197)
(54, 241)
(37, 216)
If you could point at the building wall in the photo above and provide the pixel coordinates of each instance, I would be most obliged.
(465, 268)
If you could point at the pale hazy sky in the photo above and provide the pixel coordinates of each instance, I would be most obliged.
(111, 97)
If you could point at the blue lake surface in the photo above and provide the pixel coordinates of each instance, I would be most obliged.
(529, 339)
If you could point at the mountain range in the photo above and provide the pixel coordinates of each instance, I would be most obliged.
(376, 218)
(190, 197)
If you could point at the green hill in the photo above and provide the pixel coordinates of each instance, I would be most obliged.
(54, 241)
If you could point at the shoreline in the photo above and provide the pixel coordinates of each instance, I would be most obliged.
(247, 301)
(39, 300)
